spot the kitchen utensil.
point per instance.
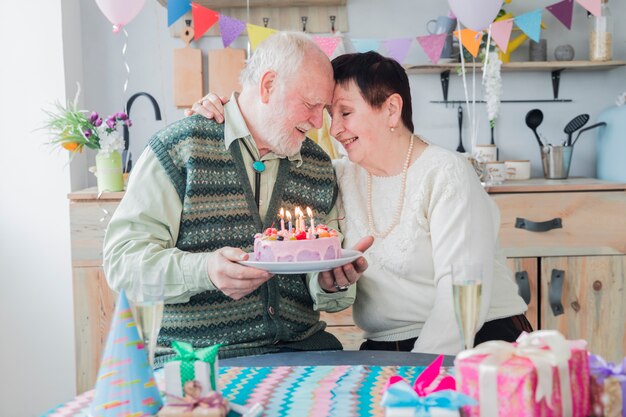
(460, 148)
(556, 161)
(224, 66)
(574, 124)
(187, 72)
(533, 120)
(587, 128)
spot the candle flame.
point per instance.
(309, 212)
(288, 215)
(282, 213)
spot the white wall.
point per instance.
(37, 336)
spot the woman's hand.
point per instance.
(209, 106)
(342, 277)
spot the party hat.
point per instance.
(125, 384)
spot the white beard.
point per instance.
(279, 134)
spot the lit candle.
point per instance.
(301, 221)
(288, 219)
(296, 213)
(282, 219)
(310, 213)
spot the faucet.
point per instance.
(157, 115)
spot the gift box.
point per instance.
(432, 394)
(192, 365)
(541, 375)
(608, 387)
(194, 405)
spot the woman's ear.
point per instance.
(394, 109)
(267, 86)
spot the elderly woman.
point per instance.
(426, 208)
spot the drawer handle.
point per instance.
(556, 291)
(531, 226)
(523, 286)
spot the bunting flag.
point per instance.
(530, 24)
(470, 39)
(563, 11)
(501, 33)
(398, 48)
(176, 9)
(432, 45)
(328, 44)
(258, 34)
(230, 28)
(592, 6)
(203, 19)
(365, 45)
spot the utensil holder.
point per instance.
(556, 161)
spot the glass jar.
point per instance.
(601, 34)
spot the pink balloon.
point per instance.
(475, 14)
(120, 12)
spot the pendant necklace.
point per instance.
(396, 217)
(258, 167)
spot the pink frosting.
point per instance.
(266, 250)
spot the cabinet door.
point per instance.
(530, 266)
(94, 303)
(592, 301)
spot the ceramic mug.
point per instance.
(485, 153)
(495, 172)
(517, 170)
(443, 24)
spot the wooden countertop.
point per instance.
(533, 185)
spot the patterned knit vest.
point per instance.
(218, 211)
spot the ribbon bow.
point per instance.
(601, 370)
(544, 348)
(187, 356)
(213, 400)
(423, 396)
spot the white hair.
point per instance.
(282, 53)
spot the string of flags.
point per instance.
(398, 48)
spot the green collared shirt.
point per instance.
(147, 221)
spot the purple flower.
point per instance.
(121, 116)
(128, 123)
(93, 117)
(87, 133)
(98, 122)
(111, 123)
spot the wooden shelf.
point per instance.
(520, 66)
(227, 4)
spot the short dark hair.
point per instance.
(377, 77)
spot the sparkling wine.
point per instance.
(466, 306)
(148, 316)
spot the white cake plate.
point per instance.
(347, 256)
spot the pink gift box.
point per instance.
(517, 385)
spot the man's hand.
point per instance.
(342, 277)
(234, 280)
(209, 106)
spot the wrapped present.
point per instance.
(200, 365)
(608, 387)
(194, 403)
(541, 375)
(430, 395)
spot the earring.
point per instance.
(393, 129)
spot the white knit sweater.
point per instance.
(447, 216)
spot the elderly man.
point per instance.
(194, 203)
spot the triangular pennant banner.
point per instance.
(125, 383)
(398, 48)
(176, 9)
(203, 19)
(433, 45)
(501, 33)
(258, 34)
(328, 44)
(593, 6)
(365, 45)
(530, 24)
(230, 28)
(563, 11)
(470, 39)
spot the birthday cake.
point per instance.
(319, 244)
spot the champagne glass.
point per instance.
(466, 290)
(147, 305)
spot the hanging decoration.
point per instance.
(592, 6)
(176, 9)
(258, 34)
(501, 33)
(230, 28)
(328, 44)
(203, 20)
(433, 45)
(530, 24)
(563, 11)
(120, 12)
(470, 39)
(398, 48)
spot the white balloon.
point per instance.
(475, 14)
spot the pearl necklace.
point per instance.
(396, 217)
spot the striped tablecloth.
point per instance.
(302, 391)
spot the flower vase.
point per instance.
(109, 171)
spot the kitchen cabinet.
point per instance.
(576, 268)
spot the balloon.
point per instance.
(120, 12)
(475, 14)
